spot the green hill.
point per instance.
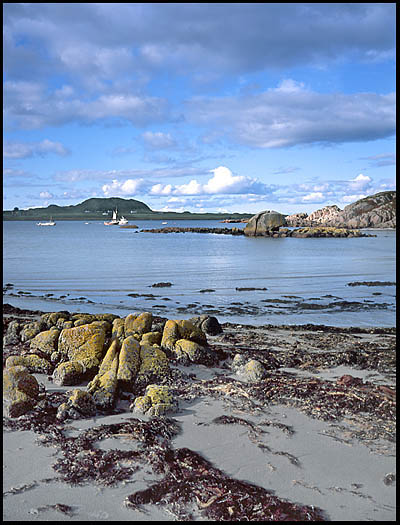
(101, 209)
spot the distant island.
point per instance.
(374, 211)
(101, 209)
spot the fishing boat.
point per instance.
(48, 223)
(123, 220)
(114, 220)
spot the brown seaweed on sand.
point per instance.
(193, 485)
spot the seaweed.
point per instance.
(191, 482)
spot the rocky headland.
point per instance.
(375, 211)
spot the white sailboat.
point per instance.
(123, 220)
(48, 223)
(114, 219)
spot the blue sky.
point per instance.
(199, 107)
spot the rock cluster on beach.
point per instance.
(119, 368)
(117, 355)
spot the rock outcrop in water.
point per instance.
(263, 223)
(375, 211)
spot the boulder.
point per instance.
(263, 223)
(30, 330)
(129, 363)
(252, 371)
(69, 373)
(83, 344)
(12, 334)
(208, 324)
(34, 363)
(138, 324)
(118, 331)
(80, 404)
(157, 401)
(46, 341)
(20, 391)
(154, 366)
(103, 386)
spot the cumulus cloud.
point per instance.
(360, 183)
(122, 188)
(45, 195)
(222, 182)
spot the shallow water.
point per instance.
(80, 266)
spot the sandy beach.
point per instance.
(313, 440)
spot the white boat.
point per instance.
(123, 220)
(114, 219)
(49, 223)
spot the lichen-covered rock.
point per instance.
(188, 330)
(138, 324)
(80, 404)
(141, 404)
(34, 363)
(118, 330)
(51, 319)
(80, 319)
(128, 323)
(103, 388)
(158, 400)
(46, 341)
(20, 391)
(12, 334)
(181, 329)
(84, 344)
(170, 335)
(129, 363)
(69, 373)
(151, 338)
(238, 362)
(194, 352)
(108, 360)
(107, 317)
(252, 372)
(31, 330)
(154, 366)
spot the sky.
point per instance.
(201, 107)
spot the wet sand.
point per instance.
(299, 432)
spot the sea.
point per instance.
(83, 266)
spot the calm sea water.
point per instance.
(89, 267)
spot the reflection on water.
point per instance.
(85, 267)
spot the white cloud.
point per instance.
(314, 197)
(353, 198)
(290, 115)
(158, 140)
(222, 182)
(122, 188)
(45, 195)
(23, 150)
(360, 182)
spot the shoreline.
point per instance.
(323, 445)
